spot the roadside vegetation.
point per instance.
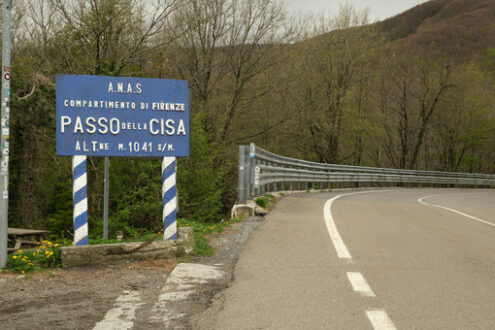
(265, 201)
(413, 92)
(46, 255)
(201, 230)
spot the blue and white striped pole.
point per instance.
(80, 196)
(169, 195)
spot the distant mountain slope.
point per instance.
(461, 28)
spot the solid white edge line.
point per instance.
(359, 284)
(380, 320)
(338, 243)
(421, 200)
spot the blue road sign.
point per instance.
(117, 116)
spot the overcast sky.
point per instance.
(379, 9)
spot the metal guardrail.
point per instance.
(261, 171)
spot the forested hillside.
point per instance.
(415, 91)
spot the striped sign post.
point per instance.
(80, 196)
(169, 195)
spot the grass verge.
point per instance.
(47, 255)
(201, 230)
(265, 200)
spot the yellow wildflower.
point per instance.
(34, 253)
(22, 272)
(20, 251)
(56, 245)
(14, 257)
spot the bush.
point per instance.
(47, 255)
(199, 179)
(262, 201)
(265, 200)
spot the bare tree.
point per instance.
(223, 46)
(329, 65)
(106, 36)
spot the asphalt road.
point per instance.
(405, 259)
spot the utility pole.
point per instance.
(4, 166)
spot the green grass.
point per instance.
(200, 230)
(265, 200)
(47, 255)
(202, 247)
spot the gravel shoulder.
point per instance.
(79, 298)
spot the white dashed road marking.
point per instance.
(380, 320)
(180, 285)
(123, 313)
(359, 284)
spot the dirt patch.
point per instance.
(76, 298)
(79, 298)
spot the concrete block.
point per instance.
(241, 211)
(105, 254)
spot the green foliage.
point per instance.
(261, 201)
(20, 263)
(202, 247)
(265, 200)
(60, 223)
(198, 179)
(50, 258)
(200, 229)
(324, 99)
(47, 255)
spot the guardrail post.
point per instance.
(252, 165)
(241, 176)
(249, 176)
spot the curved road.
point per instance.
(388, 259)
